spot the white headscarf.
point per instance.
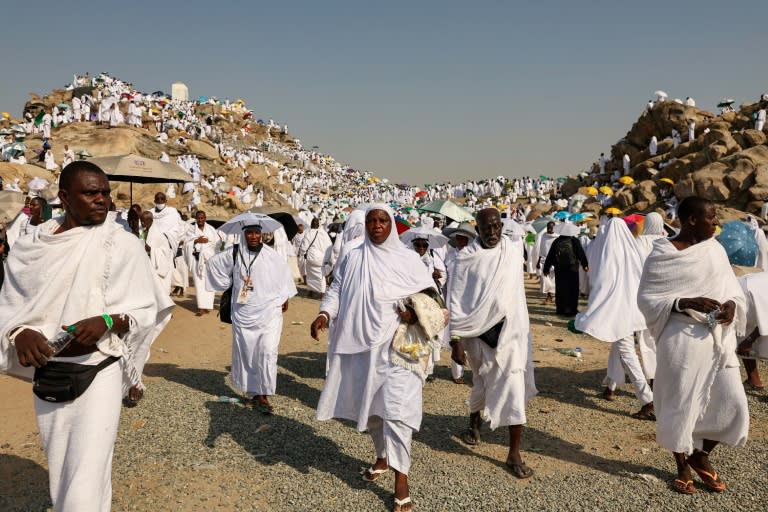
(653, 229)
(373, 278)
(354, 227)
(654, 224)
(615, 266)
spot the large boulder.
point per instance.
(623, 199)
(645, 191)
(753, 138)
(741, 175)
(709, 182)
(660, 121)
(570, 187)
(203, 149)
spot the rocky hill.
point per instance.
(726, 162)
(99, 140)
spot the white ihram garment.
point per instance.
(543, 243)
(487, 288)
(256, 325)
(315, 250)
(198, 264)
(612, 314)
(362, 384)
(653, 229)
(755, 288)
(161, 256)
(697, 392)
(59, 279)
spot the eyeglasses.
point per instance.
(421, 245)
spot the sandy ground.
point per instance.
(571, 425)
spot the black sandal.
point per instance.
(468, 436)
(519, 470)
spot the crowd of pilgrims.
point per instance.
(397, 286)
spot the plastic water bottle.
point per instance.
(60, 341)
(577, 352)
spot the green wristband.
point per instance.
(108, 320)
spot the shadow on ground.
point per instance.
(23, 484)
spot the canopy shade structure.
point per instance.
(139, 169)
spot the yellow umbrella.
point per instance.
(606, 190)
(667, 180)
(612, 211)
(6, 115)
(592, 191)
(626, 180)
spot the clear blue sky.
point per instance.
(414, 91)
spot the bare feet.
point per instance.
(609, 395)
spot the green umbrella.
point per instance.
(541, 223)
(448, 209)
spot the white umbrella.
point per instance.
(37, 184)
(235, 225)
(435, 239)
(512, 228)
(567, 229)
(661, 95)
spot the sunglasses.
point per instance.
(421, 244)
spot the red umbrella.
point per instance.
(421, 194)
(635, 223)
(402, 225)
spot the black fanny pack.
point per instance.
(491, 336)
(63, 382)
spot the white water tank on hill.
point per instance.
(179, 91)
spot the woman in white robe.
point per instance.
(363, 384)
(653, 229)
(612, 314)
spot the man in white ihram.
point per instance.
(315, 252)
(201, 245)
(160, 250)
(543, 242)
(490, 330)
(261, 283)
(84, 273)
(695, 309)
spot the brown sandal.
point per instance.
(683, 486)
(519, 470)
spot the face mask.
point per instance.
(159, 206)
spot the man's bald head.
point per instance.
(147, 219)
(489, 227)
(75, 169)
(160, 198)
(691, 207)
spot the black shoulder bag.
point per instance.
(225, 306)
(491, 336)
(63, 382)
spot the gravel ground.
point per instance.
(182, 449)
